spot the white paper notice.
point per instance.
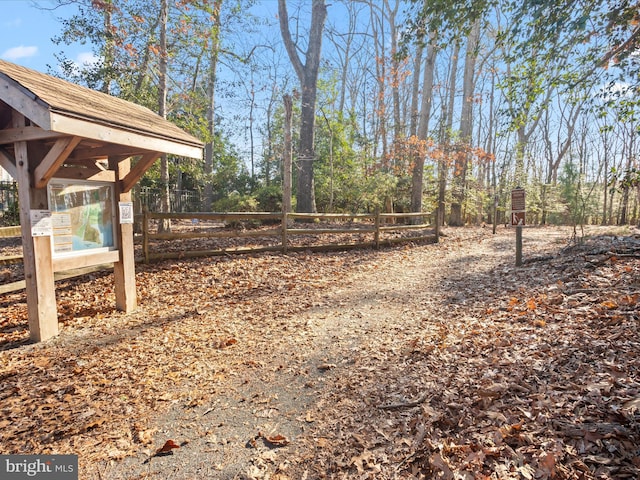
(126, 212)
(41, 225)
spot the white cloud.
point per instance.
(616, 90)
(16, 53)
(86, 59)
(83, 62)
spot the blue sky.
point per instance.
(26, 32)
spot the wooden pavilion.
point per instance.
(53, 132)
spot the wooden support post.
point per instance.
(124, 271)
(38, 264)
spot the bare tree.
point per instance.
(446, 124)
(345, 46)
(308, 76)
(391, 13)
(214, 47)
(286, 154)
(466, 126)
(423, 126)
(165, 204)
(556, 149)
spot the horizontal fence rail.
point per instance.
(277, 233)
(295, 232)
(8, 232)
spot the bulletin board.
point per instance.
(83, 216)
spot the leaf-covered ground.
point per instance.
(432, 361)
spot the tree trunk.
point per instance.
(308, 76)
(490, 149)
(445, 135)
(380, 108)
(165, 204)
(554, 158)
(423, 128)
(143, 66)
(286, 155)
(395, 69)
(624, 206)
(414, 113)
(343, 45)
(109, 48)
(252, 99)
(211, 98)
(605, 144)
(466, 125)
(270, 140)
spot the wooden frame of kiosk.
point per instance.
(70, 149)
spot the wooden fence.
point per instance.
(8, 232)
(379, 228)
(292, 233)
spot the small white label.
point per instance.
(41, 225)
(126, 212)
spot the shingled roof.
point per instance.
(79, 128)
(56, 100)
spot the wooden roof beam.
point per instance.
(98, 164)
(8, 163)
(137, 171)
(105, 151)
(140, 141)
(79, 173)
(24, 101)
(26, 134)
(54, 160)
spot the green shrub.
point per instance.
(237, 203)
(11, 216)
(269, 198)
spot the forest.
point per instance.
(380, 104)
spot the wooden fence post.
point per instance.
(439, 214)
(377, 234)
(145, 233)
(518, 245)
(285, 222)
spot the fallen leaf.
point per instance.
(276, 441)
(326, 366)
(225, 342)
(539, 322)
(167, 447)
(440, 466)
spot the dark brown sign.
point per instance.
(518, 200)
(517, 218)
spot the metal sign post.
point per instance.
(518, 219)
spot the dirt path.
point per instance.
(432, 361)
(281, 387)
